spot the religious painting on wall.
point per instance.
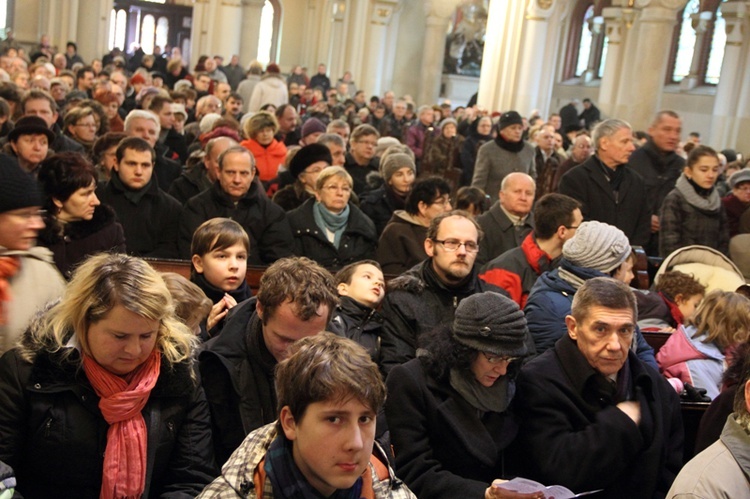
(465, 40)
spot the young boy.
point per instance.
(361, 288)
(220, 247)
(676, 297)
(322, 445)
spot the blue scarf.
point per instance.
(328, 220)
(288, 481)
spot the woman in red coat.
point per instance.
(269, 153)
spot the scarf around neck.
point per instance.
(131, 195)
(329, 221)
(509, 146)
(287, 480)
(495, 398)
(709, 201)
(121, 400)
(242, 293)
(9, 266)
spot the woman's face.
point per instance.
(80, 205)
(485, 126)
(704, 171)
(109, 158)
(30, 149)
(488, 368)
(449, 130)
(402, 180)
(111, 109)
(264, 136)
(122, 340)
(84, 129)
(310, 175)
(334, 194)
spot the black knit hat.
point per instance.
(308, 155)
(490, 322)
(509, 118)
(18, 189)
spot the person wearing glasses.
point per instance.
(361, 159)
(329, 229)
(426, 296)
(28, 276)
(449, 410)
(80, 125)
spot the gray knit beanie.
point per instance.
(597, 246)
(490, 322)
(393, 163)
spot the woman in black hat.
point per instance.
(77, 225)
(448, 409)
(29, 142)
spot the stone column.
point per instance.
(374, 69)
(532, 71)
(93, 29)
(700, 24)
(500, 57)
(251, 10)
(204, 21)
(340, 8)
(57, 18)
(437, 17)
(731, 115)
(597, 34)
(227, 29)
(616, 33)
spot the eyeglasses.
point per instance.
(453, 245)
(337, 188)
(442, 200)
(498, 359)
(571, 227)
(87, 125)
(367, 143)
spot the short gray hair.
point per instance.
(604, 292)
(331, 138)
(142, 114)
(608, 128)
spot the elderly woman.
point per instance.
(441, 156)
(105, 154)
(305, 166)
(80, 125)
(101, 394)
(76, 224)
(29, 142)
(330, 230)
(269, 153)
(448, 409)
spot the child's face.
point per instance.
(331, 443)
(367, 286)
(687, 305)
(625, 272)
(225, 268)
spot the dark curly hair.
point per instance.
(63, 174)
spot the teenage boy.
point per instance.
(219, 256)
(323, 443)
(361, 288)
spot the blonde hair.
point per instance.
(191, 305)
(332, 171)
(98, 285)
(724, 317)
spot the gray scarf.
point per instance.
(711, 203)
(495, 398)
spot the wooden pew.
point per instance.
(692, 412)
(656, 339)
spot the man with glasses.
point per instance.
(28, 276)
(427, 295)
(361, 159)
(509, 220)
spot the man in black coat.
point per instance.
(148, 215)
(592, 415)
(607, 188)
(659, 165)
(237, 195)
(295, 300)
(427, 295)
(201, 176)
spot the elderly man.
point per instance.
(40, 103)
(149, 216)
(421, 133)
(201, 176)
(288, 123)
(509, 220)
(295, 300)
(236, 195)
(146, 125)
(659, 165)
(28, 276)
(580, 151)
(427, 295)
(593, 416)
(546, 159)
(506, 154)
(395, 123)
(557, 218)
(607, 188)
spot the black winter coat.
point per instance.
(359, 323)
(401, 245)
(73, 242)
(629, 210)
(416, 303)
(659, 171)
(380, 204)
(443, 448)
(358, 242)
(237, 372)
(151, 224)
(574, 435)
(53, 434)
(191, 183)
(265, 222)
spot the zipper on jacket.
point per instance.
(48, 427)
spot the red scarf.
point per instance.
(9, 265)
(674, 310)
(121, 402)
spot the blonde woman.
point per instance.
(100, 399)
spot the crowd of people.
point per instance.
(473, 265)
